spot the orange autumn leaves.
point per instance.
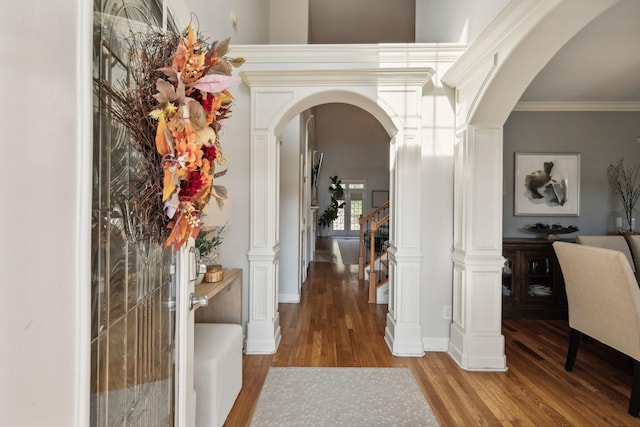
(192, 99)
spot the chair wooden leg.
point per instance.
(634, 401)
(574, 343)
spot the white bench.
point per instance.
(218, 345)
(217, 375)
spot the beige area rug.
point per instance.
(342, 397)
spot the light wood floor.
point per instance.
(335, 326)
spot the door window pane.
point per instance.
(355, 211)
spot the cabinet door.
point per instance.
(538, 284)
(509, 273)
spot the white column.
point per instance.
(403, 333)
(263, 327)
(476, 342)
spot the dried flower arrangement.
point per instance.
(625, 182)
(172, 108)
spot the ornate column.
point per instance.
(403, 333)
(476, 341)
(263, 327)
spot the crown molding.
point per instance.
(577, 106)
(385, 55)
(357, 77)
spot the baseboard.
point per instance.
(289, 298)
(435, 344)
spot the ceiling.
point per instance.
(601, 64)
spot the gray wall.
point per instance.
(601, 138)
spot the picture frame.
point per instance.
(379, 197)
(546, 184)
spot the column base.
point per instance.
(263, 337)
(477, 353)
(403, 340)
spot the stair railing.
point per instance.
(372, 239)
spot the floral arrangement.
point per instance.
(173, 108)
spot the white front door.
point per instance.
(186, 274)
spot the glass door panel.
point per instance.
(133, 314)
(348, 221)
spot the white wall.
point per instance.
(214, 18)
(289, 212)
(45, 237)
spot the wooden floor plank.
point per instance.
(334, 325)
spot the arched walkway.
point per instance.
(393, 83)
(488, 81)
(392, 96)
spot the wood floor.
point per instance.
(335, 326)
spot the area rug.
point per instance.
(342, 397)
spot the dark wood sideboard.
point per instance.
(532, 283)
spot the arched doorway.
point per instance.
(393, 97)
(488, 81)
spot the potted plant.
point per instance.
(331, 212)
(207, 243)
(625, 182)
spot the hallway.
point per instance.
(335, 326)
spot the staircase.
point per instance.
(373, 259)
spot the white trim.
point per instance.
(577, 106)
(393, 55)
(288, 298)
(435, 344)
(84, 138)
(360, 77)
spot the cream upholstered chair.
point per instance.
(604, 304)
(614, 242)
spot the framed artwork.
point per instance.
(547, 184)
(378, 197)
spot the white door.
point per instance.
(186, 274)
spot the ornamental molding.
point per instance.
(418, 77)
(392, 55)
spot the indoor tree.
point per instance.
(337, 195)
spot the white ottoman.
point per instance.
(217, 376)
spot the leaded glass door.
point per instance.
(133, 291)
